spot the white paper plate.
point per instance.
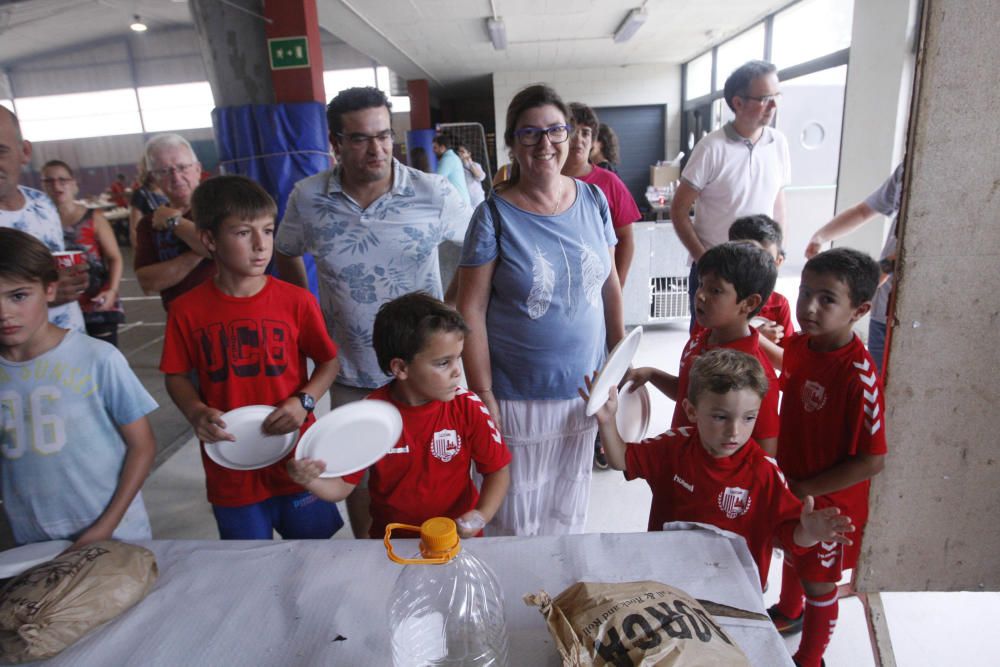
(352, 437)
(633, 413)
(614, 370)
(758, 322)
(252, 448)
(15, 561)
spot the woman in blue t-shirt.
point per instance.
(541, 296)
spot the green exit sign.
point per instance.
(289, 52)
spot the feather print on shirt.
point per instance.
(543, 279)
(593, 270)
(570, 296)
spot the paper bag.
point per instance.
(634, 624)
(45, 609)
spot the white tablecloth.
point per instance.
(287, 603)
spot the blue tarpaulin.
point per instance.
(276, 145)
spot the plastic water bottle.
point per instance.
(446, 607)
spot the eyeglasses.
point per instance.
(170, 171)
(358, 139)
(764, 99)
(583, 131)
(530, 136)
(62, 180)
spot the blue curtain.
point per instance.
(276, 145)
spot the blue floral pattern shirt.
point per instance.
(39, 218)
(365, 257)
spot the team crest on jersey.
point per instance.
(813, 396)
(734, 502)
(446, 445)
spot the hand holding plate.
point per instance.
(209, 426)
(304, 471)
(288, 416)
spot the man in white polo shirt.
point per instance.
(739, 169)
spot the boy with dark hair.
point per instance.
(832, 438)
(75, 442)
(247, 336)
(765, 233)
(736, 279)
(714, 472)
(446, 428)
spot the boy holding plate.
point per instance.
(246, 336)
(446, 428)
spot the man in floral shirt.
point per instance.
(373, 226)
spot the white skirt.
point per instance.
(552, 454)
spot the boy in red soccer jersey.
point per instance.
(832, 438)
(446, 428)
(714, 472)
(247, 336)
(765, 233)
(736, 280)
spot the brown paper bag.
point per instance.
(45, 609)
(634, 624)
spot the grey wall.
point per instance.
(933, 510)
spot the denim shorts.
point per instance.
(301, 516)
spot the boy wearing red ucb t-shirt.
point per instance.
(714, 472)
(247, 336)
(832, 439)
(446, 428)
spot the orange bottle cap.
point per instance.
(439, 541)
(439, 537)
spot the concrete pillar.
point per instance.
(234, 48)
(876, 106)
(297, 18)
(420, 104)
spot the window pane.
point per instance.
(337, 80)
(176, 107)
(105, 113)
(811, 29)
(400, 103)
(735, 52)
(699, 76)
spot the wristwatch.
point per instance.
(173, 221)
(308, 402)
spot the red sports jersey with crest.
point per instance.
(744, 493)
(767, 417)
(833, 408)
(246, 351)
(427, 473)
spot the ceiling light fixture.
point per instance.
(498, 33)
(137, 24)
(630, 25)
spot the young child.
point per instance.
(75, 444)
(247, 336)
(736, 280)
(832, 438)
(713, 471)
(765, 233)
(446, 428)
